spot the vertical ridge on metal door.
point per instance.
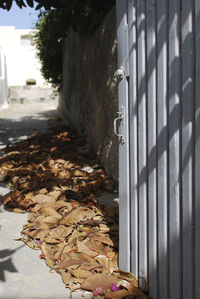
(132, 19)
(197, 149)
(174, 123)
(187, 99)
(162, 146)
(151, 148)
(124, 176)
(142, 138)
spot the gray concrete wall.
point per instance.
(89, 95)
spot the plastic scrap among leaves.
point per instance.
(57, 184)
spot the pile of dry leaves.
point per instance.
(57, 184)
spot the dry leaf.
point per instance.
(104, 239)
(117, 294)
(90, 266)
(127, 276)
(66, 276)
(99, 280)
(49, 212)
(84, 249)
(40, 198)
(81, 273)
(76, 215)
(30, 243)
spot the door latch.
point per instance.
(120, 119)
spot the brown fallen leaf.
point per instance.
(68, 262)
(44, 222)
(76, 235)
(76, 215)
(79, 273)
(77, 173)
(107, 265)
(84, 249)
(101, 238)
(60, 232)
(127, 276)
(37, 234)
(49, 212)
(66, 276)
(40, 198)
(95, 245)
(90, 266)
(29, 242)
(117, 294)
(55, 194)
(99, 280)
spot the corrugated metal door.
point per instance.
(159, 94)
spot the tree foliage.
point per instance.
(82, 15)
(48, 40)
(49, 4)
(46, 4)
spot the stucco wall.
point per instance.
(89, 95)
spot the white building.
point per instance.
(3, 82)
(21, 60)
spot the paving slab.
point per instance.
(22, 274)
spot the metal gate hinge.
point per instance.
(120, 73)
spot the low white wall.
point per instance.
(18, 94)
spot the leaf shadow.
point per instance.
(7, 264)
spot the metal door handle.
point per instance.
(120, 117)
